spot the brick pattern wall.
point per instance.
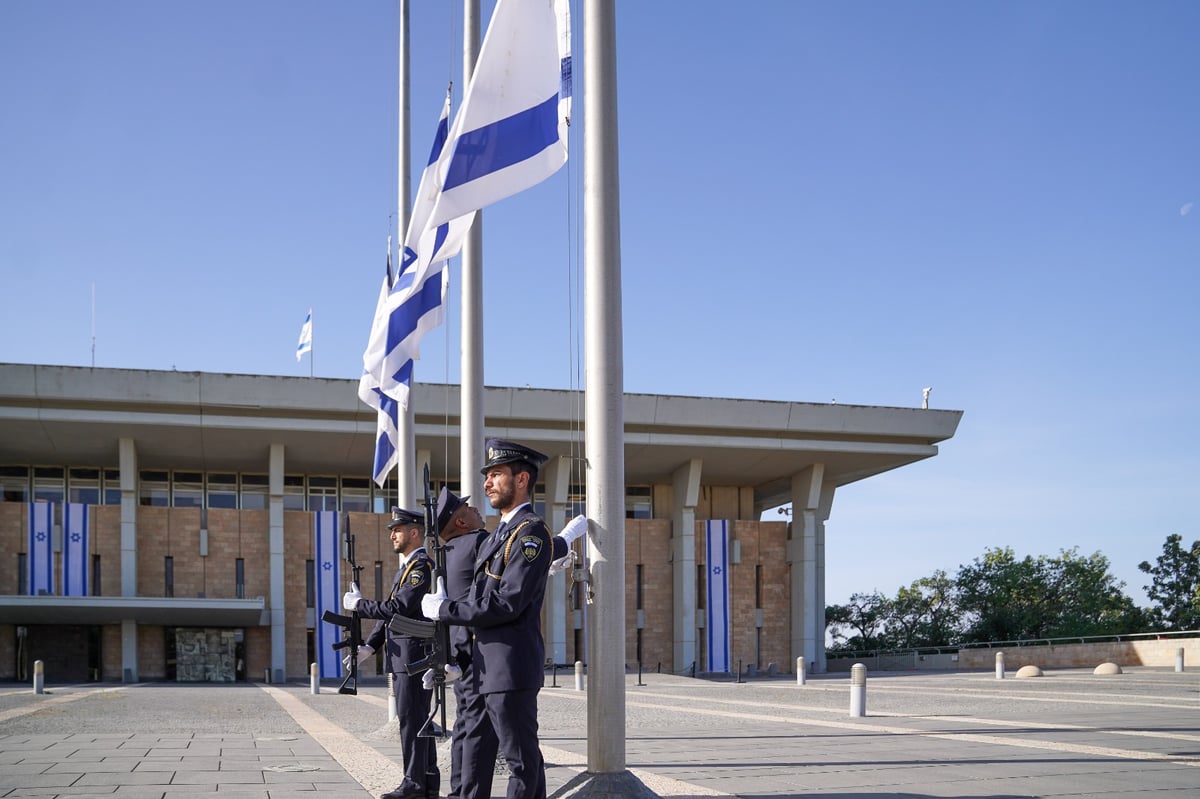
(106, 542)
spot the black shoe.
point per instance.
(404, 793)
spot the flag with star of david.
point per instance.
(40, 559)
(75, 549)
(327, 563)
(716, 561)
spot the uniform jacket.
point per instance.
(504, 611)
(409, 586)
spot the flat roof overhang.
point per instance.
(222, 422)
(165, 611)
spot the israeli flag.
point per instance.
(716, 559)
(387, 432)
(511, 132)
(415, 301)
(40, 560)
(75, 549)
(305, 343)
(327, 563)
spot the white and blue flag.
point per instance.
(40, 560)
(716, 561)
(75, 549)
(387, 429)
(305, 343)
(509, 134)
(327, 562)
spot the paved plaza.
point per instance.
(1068, 733)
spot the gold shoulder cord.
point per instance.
(508, 548)
(403, 577)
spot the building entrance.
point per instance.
(205, 654)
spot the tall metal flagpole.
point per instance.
(471, 400)
(406, 444)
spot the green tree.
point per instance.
(1006, 599)
(924, 614)
(863, 617)
(1175, 586)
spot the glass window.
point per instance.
(83, 485)
(222, 491)
(169, 576)
(112, 487)
(293, 492)
(310, 586)
(239, 577)
(22, 574)
(49, 483)
(187, 490)
(14, 484)
(154, 488)
(356, 494)
(638, 503)
(96, 589)
(255, 491)
(322, 493)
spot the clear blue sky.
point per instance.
(819, 201)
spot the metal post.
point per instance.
(267, 676)
(1179, 659)
(39, 677)
(579, 675)
(858, 690)
(801, 672)
(314, 678)
(999, 665)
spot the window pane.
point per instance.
(356, 494)
(154, 489)
(222, 491)
(112, 487)
(49, 484)
(14, 484)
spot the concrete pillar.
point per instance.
(275, 556)
(127, 464)
(557, 477)
(811, 501)
(686, 484)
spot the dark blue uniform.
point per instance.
(412, 700)
(474, 745)
(507, 667)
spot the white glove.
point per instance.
(351, 598)
(574, 529)
(432, 603)
(562, 564)
(364, 652)
(452, 673)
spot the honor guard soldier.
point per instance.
(508, 584)
(413, 580)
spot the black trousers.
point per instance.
(420, 754)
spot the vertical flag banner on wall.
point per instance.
(41, 550)
(716, 560)
(327, 564)
(75, 549)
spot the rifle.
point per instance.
(436, 634)
(352, 623)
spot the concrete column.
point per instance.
(557, 476)
(811, 501)
(275, 555)
(127, 464)
(686, 484)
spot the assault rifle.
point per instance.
(351, 623)
(436, 634)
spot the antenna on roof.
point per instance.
(93, 324)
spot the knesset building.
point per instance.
(199, 492)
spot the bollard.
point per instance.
(1179, 659)
(640, 673)
(553, 675)
(579, 675)
(999, 665)
(858, 690)
(391, 692)
(314, 678)
(267, 676)
(39, 677)
(801, 674)
(739, 671)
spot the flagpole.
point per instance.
(406, 441)
(93, 324)
(604, 394)
(471, 432)
(312, 352)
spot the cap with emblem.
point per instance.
(500, 452)
(448, 503)
(402, 517)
